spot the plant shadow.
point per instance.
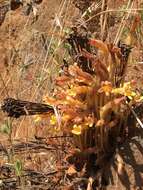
(131, 153)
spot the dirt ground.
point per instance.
(27, 73)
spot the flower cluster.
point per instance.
(95, 101)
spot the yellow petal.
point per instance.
(53, 120)
(37, 118)
(106, 87)
(77, 129)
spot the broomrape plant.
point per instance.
(90, 101)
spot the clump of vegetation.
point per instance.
(91, 99)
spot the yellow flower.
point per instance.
(37, 118)
(77, 129)
(106, 87)
(126, 90)
(53, 120)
